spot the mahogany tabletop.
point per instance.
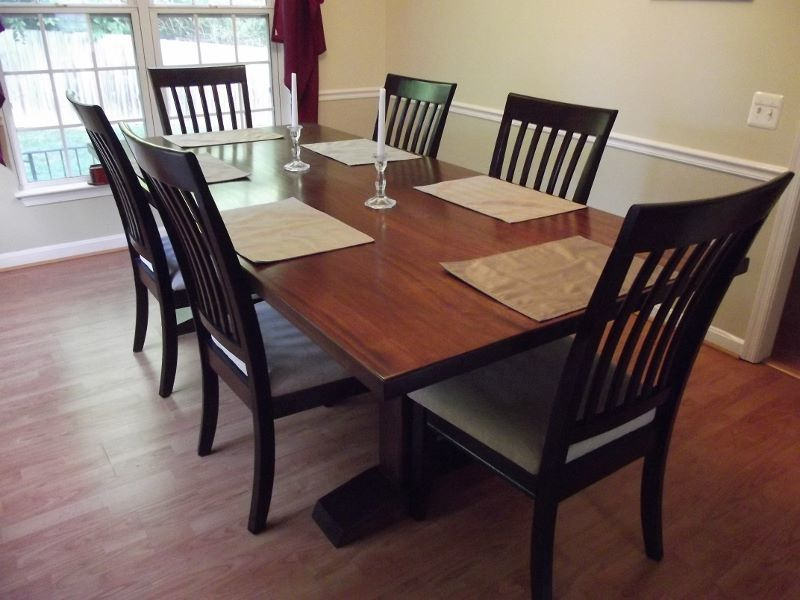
(388, 310)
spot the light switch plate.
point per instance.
(765, 110)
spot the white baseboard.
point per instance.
(724, 341)
(54, 252)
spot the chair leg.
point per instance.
(169, 348)
(542, 539)
(263, 470)
(208, 423)
(651, 501)
(420, 464)
(142, 301)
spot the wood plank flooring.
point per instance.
(103, 495)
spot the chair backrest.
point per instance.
(416, 112)
(215, 282)
(633, 355)
(202, 98)
(132, 201)
(566, 123)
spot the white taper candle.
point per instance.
(294, 100)
(382, 122)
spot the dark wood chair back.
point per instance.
(634, 355)
(132, 201)
(214, 278)
(557, 160)
(416, 112)
(202, 97)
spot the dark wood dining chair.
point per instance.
(566, 129)
(155, 267)
(416, 112)
(217, 89)
(273, 367)
(559, 417)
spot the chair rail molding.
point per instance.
(776, 276)
(724, 163)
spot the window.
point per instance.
(100, 49)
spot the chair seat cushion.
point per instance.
(295, 362)
(175, 275)
(506, 405)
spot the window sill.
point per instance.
(61, 193)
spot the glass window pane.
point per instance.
(113, 41)
(119, 90)
(42, 154)
(170, 2)
(178, 40)
(248, 3)
(136, 126)
(21, 44)
(68, 41)
(32, 100)
(64, 2)
(263, 118)
(80, 153)
(252, 39)
(258, 82)
(216, 40)
(84, 84)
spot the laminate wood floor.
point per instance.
(103, 495)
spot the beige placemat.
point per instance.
(544, 281)
(502, 200)
(218, 138)
(357, 152)
(217, 171)
(287, 229)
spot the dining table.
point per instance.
(388, 311)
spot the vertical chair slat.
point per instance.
(401, 119)
(192, 112)
(523, 129)
(601, 370)
(204, 103)
(391, 118)
(565, 143)
(218, 107)
(534, 144)
(548, 148)
(178, 110)
(423, 114)
(573, 162)
(229, 88)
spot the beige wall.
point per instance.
(679, 72)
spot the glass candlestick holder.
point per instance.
(380, 200)
(296, 165)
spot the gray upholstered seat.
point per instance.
(295, 362)
(175, 275)
(506, 405)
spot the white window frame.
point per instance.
(148, 54)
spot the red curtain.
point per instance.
(298, 26)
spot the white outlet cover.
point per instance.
(765, 110)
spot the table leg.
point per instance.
(377, 497)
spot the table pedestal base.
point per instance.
(366, 503)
